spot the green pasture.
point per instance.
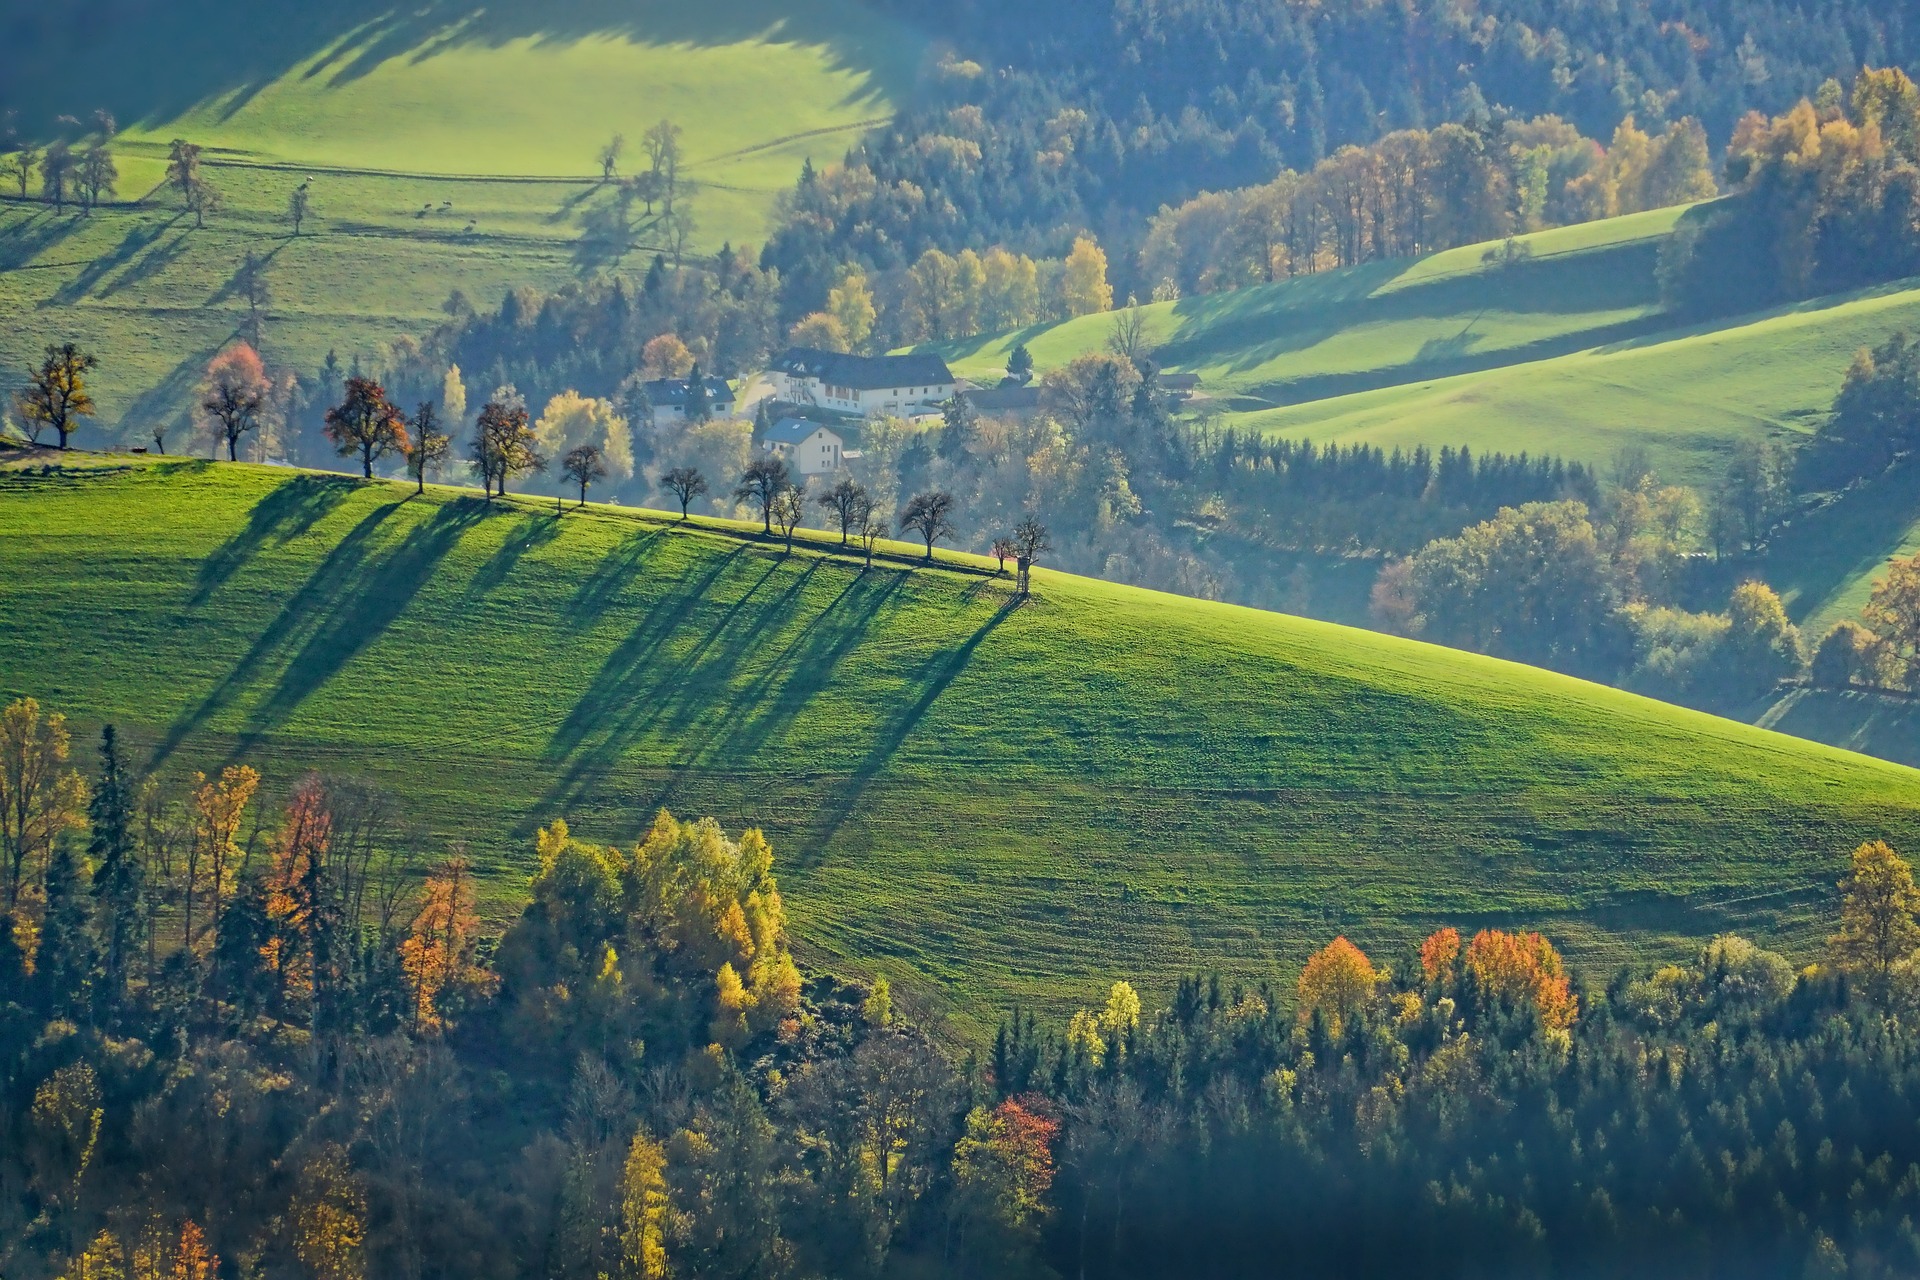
(1381, 323)
(445, 146)
(988, 801)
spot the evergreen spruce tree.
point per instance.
(64, 967)
(117, 874)
(240, 976)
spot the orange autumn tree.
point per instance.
(1439, 952)
(1523, 968)
(1337, 983)
(299, 864)
(438, 953)
(1002, 1170)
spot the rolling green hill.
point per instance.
(449, 145)
(1566, 351)
(987, 802)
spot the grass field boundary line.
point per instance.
(822, 132)
(345, 171)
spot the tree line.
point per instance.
(277, 1037)
(1418, 191)
(1825, 199)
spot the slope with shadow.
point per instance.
(989, 802)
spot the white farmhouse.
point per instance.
(809, 448)
(862, 386)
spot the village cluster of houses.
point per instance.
(822, 390)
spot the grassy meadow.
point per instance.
(987, 802)
(448, 146)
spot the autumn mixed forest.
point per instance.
(931, 641)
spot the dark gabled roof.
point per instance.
(666, 392)
(1012, 399)
(794, 430)
(863, 373)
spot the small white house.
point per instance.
(809, 448)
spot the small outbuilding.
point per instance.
(809, 448)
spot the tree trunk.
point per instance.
(583, 495)
(233, 447)
(366, 462)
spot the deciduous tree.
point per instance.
(1083, 288)
(439, 953)
(843, 501)
(1337, 983)
(1893, 612)
(1522, 968)
(764, 480)
(1878, 902)
(213, 854)
(930, 515)
(56, 393)
(233, 396)
(300, 206)
(1029, 541)
(789, 509)
(40, 796)
(685, 484)
(584, 465)
(367, 423)
(429, 446)
(665, 356)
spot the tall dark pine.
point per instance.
(64, 966)
(117, 873)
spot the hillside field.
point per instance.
(989, 803)
(448, 146)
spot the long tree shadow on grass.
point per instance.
(638, 692)
(609, 578)
(379, 595)
(289, 510)
(317, 597)
(659, 691)
(536, 530)
(795, 675)
(933, 679)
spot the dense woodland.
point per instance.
(254, 1034)
(1044, 123)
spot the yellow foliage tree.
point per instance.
(1337, 983)
(438, 953)
(214, 853)
(1083, 286)
(645, 1211)
(329, 1218)
(39, 795)
(1877, 907)
(1893, 612)
(104, 1259)
(571, 420)
(820, 330)
(666, 356)
(851, 304)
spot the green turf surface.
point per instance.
(1382, 323)
(448, 145)
(986, 802)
